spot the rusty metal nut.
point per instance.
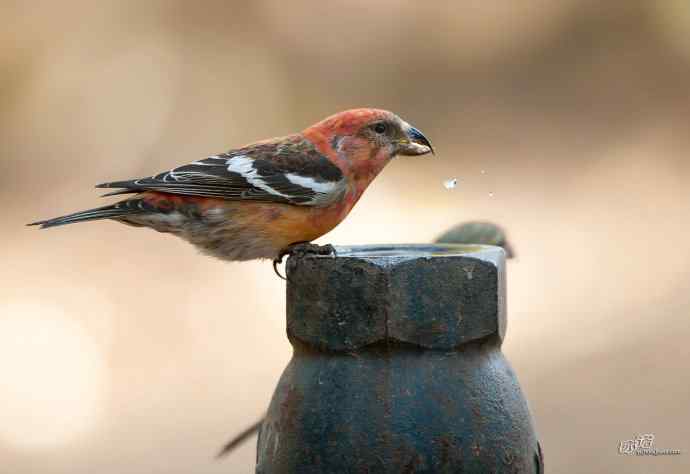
(432, 296)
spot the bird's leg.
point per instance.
(301, 249)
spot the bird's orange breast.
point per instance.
(290, 224)
(282, 224)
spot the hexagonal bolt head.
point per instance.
(431, 296)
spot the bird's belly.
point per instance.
(232, 230)
(297, 224)
(245, 231)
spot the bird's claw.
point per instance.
(276, 262)
(302, 249)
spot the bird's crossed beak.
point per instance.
(414, 143)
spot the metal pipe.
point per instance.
(397, 367)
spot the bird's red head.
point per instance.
(363, 141)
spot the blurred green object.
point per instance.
(477, 232)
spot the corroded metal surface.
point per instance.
(397, 367)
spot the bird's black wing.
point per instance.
(287, 170)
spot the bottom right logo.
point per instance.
(643, 445)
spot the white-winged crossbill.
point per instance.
(258, 200)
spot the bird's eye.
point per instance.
(380, 128)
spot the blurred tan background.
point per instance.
(566, 121)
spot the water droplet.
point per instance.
(450, 183)
(491, 195)
(483, 171)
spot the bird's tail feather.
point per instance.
(240, 438)
(119, 209)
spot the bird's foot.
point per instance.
(302, 249)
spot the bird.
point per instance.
(267, 199)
